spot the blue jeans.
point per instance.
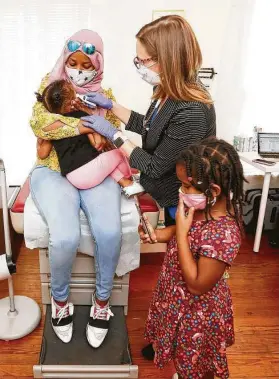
(59, 204)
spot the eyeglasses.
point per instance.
(142, 62)
(87, 48)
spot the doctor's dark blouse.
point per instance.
(164, 136)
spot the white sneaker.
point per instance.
(133, 189)
(98, 325)
(62, 320)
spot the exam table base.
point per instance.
(78, 359)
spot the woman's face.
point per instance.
(79, 61)
(145, 59)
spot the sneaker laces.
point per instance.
(102, 313)
(63, 312)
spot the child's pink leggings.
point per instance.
(112, 163)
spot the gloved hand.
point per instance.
(100, 125)
(99, 99)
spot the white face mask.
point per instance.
(80, 77)
(148, 75)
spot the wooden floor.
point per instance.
(254, 283)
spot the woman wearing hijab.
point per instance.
(59, 202)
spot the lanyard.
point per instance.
(152, 116)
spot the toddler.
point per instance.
(83, 165)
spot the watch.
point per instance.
(119, 140)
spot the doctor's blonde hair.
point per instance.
(171, 42)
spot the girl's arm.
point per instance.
(165, 234)
(157, 235)
(202, 275)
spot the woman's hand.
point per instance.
(99, 99)
(183, 221)
(145, 238)
(100, 125)
(43, 148)
(78, 105)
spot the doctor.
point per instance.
(181, 111)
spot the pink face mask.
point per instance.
(197, 201)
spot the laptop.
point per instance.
(268, 146)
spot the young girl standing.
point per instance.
(190, 318)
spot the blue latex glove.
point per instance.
(99, 99)
(100, 125)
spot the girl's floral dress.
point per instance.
(192, 330)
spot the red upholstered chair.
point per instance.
(18, 207)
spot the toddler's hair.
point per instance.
(54, 96)
(215, 161)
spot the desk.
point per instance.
(267, 170)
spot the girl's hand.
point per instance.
(145, 237)
(108, 145)
(183, 221)
(100, 141)
(97, 141)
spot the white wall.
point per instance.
(246, 92)
(32, 34)
(230, 91)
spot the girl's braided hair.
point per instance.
(215, 161)
(54, 96)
